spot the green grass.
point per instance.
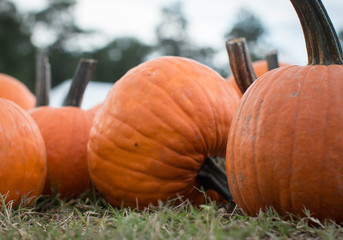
(92, 218)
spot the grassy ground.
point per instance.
(92, 218)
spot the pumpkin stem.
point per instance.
(212, 177)
(43, 79)
(322, 43)
(240, 63)
(272, 60)
(79, 83)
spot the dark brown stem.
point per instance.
(79, 83)
(322, 43)
(212, 177)
(43, 79)
(240, 63)
(272, 60)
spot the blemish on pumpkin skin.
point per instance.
(295, 94)
(136, 144)
(248, 120)
(152, 72)
(242, 179)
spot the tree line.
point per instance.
(17, 50)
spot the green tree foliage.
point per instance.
(16, 50)
(58, 19)
(251, 27)
(17, 53)
(173, 39)
(115, 59)
(171, 32)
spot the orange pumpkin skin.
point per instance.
(94, 109)
(14, 90)
(231, 82)
(154, 130)
(65, 131)
(285, 145)
(23, 155)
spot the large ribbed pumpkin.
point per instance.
(155, 129)
(22, 156)
(14, 90)
(285, 147)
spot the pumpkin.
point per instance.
(65, 131)
(153, 135)
(14, 90)
(285, 147)
(232, 83)
(23, 155)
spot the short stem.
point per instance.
(240, 63)
(322, 43)
(272, 60)
(43, 79)
(79, 83)
(212, 177)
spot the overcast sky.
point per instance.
(208, 21)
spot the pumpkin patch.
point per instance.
(174, 147)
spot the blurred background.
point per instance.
(122, 34)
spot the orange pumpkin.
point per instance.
(155, 129)
(231, 82)
(23, 155)
(285, 147)
(65, 131)
(14, 90)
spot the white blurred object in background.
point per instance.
(95, 93)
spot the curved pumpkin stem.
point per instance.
(272, 60)
(79, 83)
(322, 43)
(212, 177)
(43, 79)
(240, 63)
